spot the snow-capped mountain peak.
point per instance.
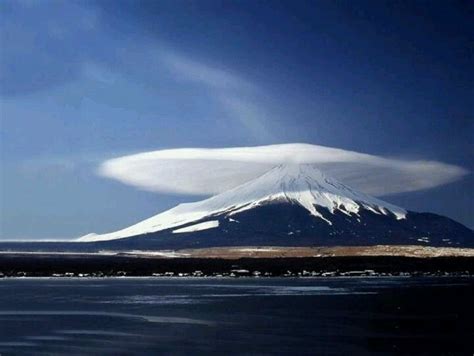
(307, 186)
(301, 184)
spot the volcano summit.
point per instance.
(290, 205)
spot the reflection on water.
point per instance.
(232, 316)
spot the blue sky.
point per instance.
(82, 82)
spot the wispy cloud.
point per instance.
(251, 116)
(229, 90)
(107, 56)
(187, 69)
(204, 171)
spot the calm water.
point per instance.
(236, 316)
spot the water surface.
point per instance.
(121, 316)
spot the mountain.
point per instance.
(291, 205)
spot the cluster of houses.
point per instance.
(238, 272)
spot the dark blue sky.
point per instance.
(85, 81)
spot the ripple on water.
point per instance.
(148, 318)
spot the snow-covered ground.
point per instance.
(198, 227)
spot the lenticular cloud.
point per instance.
(207, 171)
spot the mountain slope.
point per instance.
(303, 185)
(291, 205)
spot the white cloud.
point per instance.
(204, 171)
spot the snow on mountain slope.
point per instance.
(298, 184)
(198, 227)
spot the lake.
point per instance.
(143, 316)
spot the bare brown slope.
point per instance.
(283, 252)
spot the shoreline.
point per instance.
(243, 277)
(50, 265)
